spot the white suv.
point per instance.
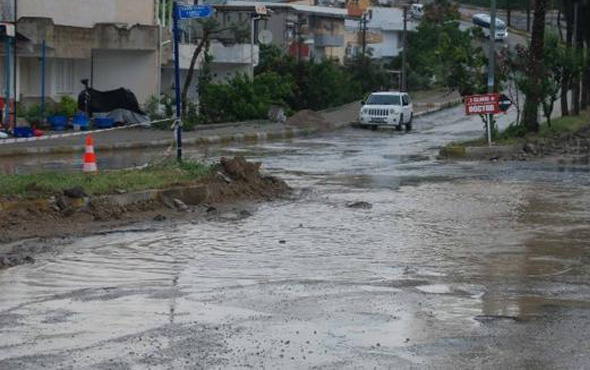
(387, 109)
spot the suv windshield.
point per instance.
(383, 100)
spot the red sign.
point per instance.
(482, 104)
(299, 49)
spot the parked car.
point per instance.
(392, 109)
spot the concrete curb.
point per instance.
(250, 137)
(437, 107)
(190, 195)
(479, 152)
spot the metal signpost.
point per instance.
(487, 104)
(181, 12)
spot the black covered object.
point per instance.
(107, 101)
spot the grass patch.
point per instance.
(515, 134)
(565, 124)
(108, 182)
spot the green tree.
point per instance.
(535, 69)
(441, 11)
(554, 58)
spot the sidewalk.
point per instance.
(137, 138)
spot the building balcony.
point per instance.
(231, 54)
(78, 42)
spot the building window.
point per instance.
(64, 76)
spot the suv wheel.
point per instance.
(409, 124)
(400, 125)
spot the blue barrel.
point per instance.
(80, 120)
(23, 132)
(58, 123)
(104, 122)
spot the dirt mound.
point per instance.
(572, 146)
(308, 118)
(240, 179)
(234, 180)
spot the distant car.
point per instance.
(417, 11)
(393, 109)
(483, 21)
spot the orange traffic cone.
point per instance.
(89, 157)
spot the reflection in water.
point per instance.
(554, 221)
(402, 280)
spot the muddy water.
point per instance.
(456, 265)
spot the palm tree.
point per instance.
(535, 68)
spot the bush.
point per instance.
(67, 106)
(513, 131)
(191, 119)
(152, 108)
(297, 85)
(32, 114)
(243, 99)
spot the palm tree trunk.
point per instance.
(190, 73)
(568, 13)
(535, 68)
(576, 82)
(586, 77)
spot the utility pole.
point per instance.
(176, 36)
(254, 19)
(508, 12)
(492, 64)
(43, 64)
(8, 82)
(528, 15)
(364, 33)
(15, 54)
(404, 86)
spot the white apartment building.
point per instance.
(385, 27)
(113, 43)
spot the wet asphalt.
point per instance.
(453, 265)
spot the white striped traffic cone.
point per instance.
(89, 157)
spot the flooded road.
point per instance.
(455, 265)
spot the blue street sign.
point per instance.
(195, 11)
(183, 12)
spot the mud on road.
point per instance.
(234, 181)
(388, 259)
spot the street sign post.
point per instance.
(482, 104)
(195, 11)
(182, 12)
(487, 104)
(505, 103)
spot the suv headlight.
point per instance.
(364, 110)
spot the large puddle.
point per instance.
(455, 265)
